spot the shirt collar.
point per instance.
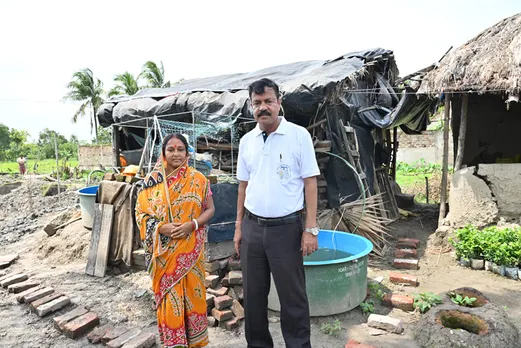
(281, 129)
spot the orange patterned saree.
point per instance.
(176, 265)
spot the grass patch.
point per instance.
(411, 178)
(46, 166)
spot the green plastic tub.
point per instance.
(336, 274)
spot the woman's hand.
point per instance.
(182, 231)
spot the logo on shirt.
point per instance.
(284, 172)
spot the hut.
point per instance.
(480, 84)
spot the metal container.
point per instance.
(334, 285)
(87, 202)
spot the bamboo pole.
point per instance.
(395, 151)
(57, 166)
(462, 132)
(445, 165)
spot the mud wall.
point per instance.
(493, 128)
(427, 146)
(481, 194)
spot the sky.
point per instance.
(43, 42)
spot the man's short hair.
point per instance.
(258, 87)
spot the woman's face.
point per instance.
(175, 153)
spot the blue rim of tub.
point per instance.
(368, 246)
(88, 191)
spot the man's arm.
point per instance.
(241, 197)
(311, 199)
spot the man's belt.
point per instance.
(268, 222)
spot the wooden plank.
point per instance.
(104, 240)
(94, 240)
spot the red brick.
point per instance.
(113, 333)
(211, 266)
(9, 258)
(53, 306)
(399, 278)
(403, 302)
(222, 315)
(232, 324)
(226, 281)
(145, 339)
(8, 275)
(406, 253)
(234, 265)
(211, 281)
(15, 278)
(235, 277)
(45, 299)
(223, 302)
(210, 300)
(121, 340)
(4, 264)
(21, 296)
(212, 322)
(239, 290)
(81, 325)
(408, 242)
(356, 344)
(405, 263)
(40, 293)
(59, 322)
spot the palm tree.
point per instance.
(88, 90)
(126, 83)
(154, 75)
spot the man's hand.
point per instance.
(309, 243)
(237, 238)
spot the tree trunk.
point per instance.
(445, 165)
(462, 132)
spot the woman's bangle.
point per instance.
(194, 222)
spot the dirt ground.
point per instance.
(126, 300)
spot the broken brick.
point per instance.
(81, 325)
(237, 309)
(234, 265)
(239, 290)
(219, 291)
(235, 277)
(403, 302)
(211, 281)
(405, 264)
(232, 324)
(385, 323)
(406, 253)
(222, 315)
(113, 333)
(212, 266)
(222, 302)
(399, 278)
(356, 344)
(211, 321)
(209, 300)
(60, 321)
(95, 335)
(226, 281)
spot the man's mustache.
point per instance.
(264, 113)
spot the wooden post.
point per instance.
(115, 146)
(57, 165)
(445, 165)
(462, 132)
(395, 151)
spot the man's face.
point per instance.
(266, 107)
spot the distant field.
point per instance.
(44, 166)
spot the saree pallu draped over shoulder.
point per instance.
(176, 265)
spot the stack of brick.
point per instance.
(224, 293)
(406, 254)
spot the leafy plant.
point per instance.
(460, 300)
(367, 306)
(331, 328)
(426, 300)
(376, 291)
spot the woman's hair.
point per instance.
(177, 136)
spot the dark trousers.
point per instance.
(274, 249)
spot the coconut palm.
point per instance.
(126, 83)
(154, 75)
(88, 90)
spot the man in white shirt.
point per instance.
(277, 172)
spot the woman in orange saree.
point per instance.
(171, 213)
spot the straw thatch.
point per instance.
(491, 62)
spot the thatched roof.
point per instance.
(491, 62)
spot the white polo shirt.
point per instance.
(276, 169)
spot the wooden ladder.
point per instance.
(353, 154)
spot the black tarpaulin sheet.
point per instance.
(222, 225)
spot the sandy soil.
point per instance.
(126, 300)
